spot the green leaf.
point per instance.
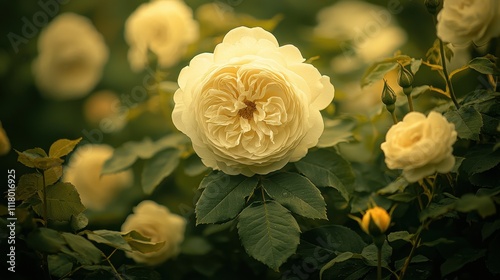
(79, 222)
(459, 259)
(87, 252)
(111, 238)
(140, 243)
(377, 71)
(415, 65)
(138, 273)
(436, 210)
(269, 233)
(400, 235)
(438, 241)
(296, 193)
(63, 202)
(370, 252)
(484, 66)
(29, 155)
(62, 147)
(338, 259)
(45, 240)
(484, 205)
(336, 131)
(326, 168)
(399, 184)
(467, 120)
(331, 239)
(53, 174)
(479, 159)
(490, 228)
(223, 197)
(159, 167)
(417, 91)
(127, 154)
(59, 265)
(29, 185)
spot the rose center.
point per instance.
(247, 112)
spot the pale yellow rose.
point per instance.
(365, 32)
(72, 54)
(165, 27)
(4, 141)
(463, 21)
(84, 172)
(251, 106)
(158, 223)
(420, 145)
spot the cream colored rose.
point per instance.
(420, 145)
(463, 21)
(72, 54)
(84, 172)
(165, 27)
(251, 106)
(365, 32)
(158, 223)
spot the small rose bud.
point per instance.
(388, 95)
(375, 221)
(432, 6)
(405, 79)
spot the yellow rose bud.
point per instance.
(375, 221)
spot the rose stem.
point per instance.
(446, 76)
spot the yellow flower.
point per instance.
(379, 218)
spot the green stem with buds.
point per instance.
(446, 76)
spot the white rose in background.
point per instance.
(420, 145)
(84, 172)
(366, 33)
(463, 21)
(165, 27)
(251, 106)
(158, 223)
(72, 54)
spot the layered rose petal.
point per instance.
(164, 27)
(160, 225)
(251, 106)
(420, 145)
(463, 21)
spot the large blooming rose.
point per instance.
(251, 106)
(158, 223)
(463, 21)
(166, 27)
(420, 146)
(84, 172)
(72, 54)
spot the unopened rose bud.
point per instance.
(405, 79)
(375, 221)
(388, 95)
(432, 6)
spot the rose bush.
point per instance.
(463, 21)
(165, 27)
(72, 54)
(420, 145)
(158, 223)
(251, 106)
(84, 172)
